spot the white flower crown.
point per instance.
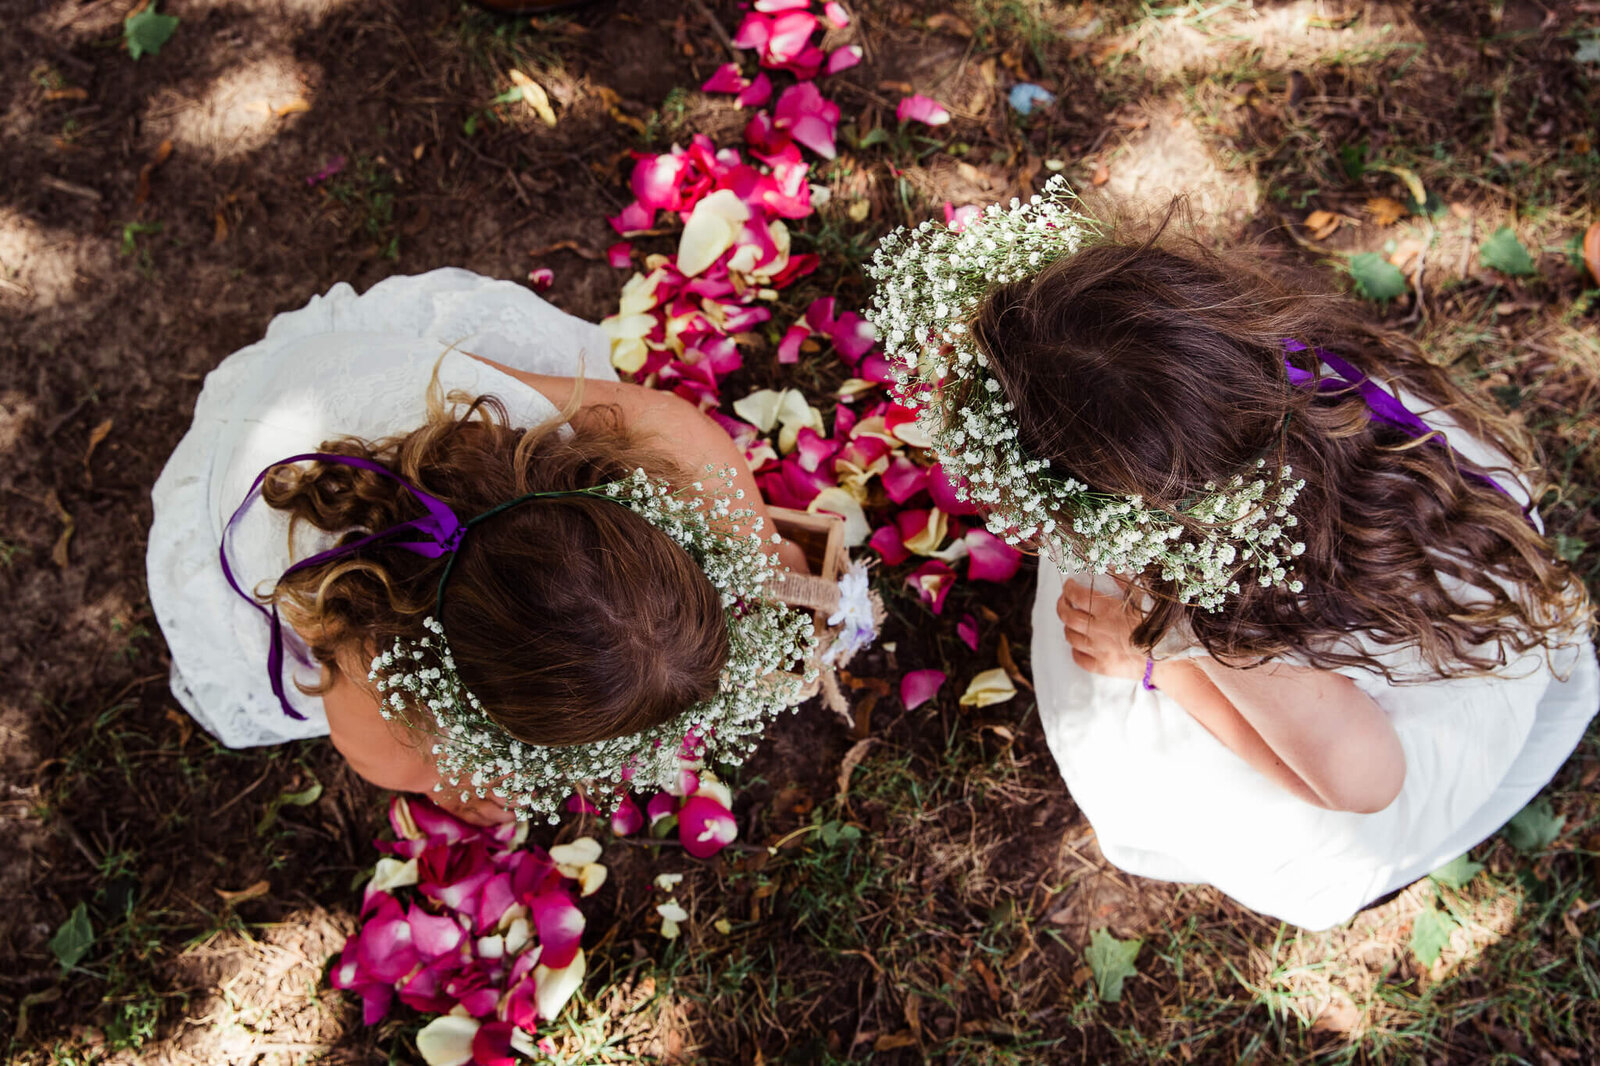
(765, 641)
(932, 282)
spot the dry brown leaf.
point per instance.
(219, 230)
(244, 895)
(1385, 210)
(416, 153)
(637, 125)
(848, 764)
(986, 71)
(73, 93)
(59, 554)
(1591, 251)
(950, 23)
(162, 153)
(184, 723)
(913, 1013)
(893, 1041)
(1101, 175)
(896, 87)
(535, 97)
(1322, 224)
(1002, 653)
(96, 436)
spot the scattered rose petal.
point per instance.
(727, 79)
(757, 93)
(661, 805)
(620, 255)
(988, 688)
(667, 882)
(932, 580)
(992, 559)
(579, 804)
(810, 119)
(627, 819)
(959, 218)
(560, 925)
(590, 878)
(713, 226)
(447, 1040)
(789, 347)
(491, 1044)
(556, 985)
(835, 13)
(919, 108)
(967, 630)
(705, 826)
(839, 502)
(580, 852)
(843, 58)
(920, 686)
(887, 543)
(672, 912)
(791, 33)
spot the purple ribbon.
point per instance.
(440, 532)
(1383, 405)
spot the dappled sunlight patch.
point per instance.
(42, 267)
(1171, 157)
(265, 1001)
(239, 110)
(1250, 36)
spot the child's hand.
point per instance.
(479, 810)
(1099, 626)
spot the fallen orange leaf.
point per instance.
(1322, 224)
(1591, 251)
(1385, 211)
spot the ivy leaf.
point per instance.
(148, 31)
(1535, 827)
(1588, 50)
(1457, 872)
(1430, 934)
(73, 940)
(1503, 252)
(1111, 962)
(1376, 278)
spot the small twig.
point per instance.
(716, 28)
(248, 789)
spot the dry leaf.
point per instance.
(848, 764)
(896, 87)
(892, 1041)
(986, 71)
(859, 210)
(1102, 174)
(1003, 655)
(913, 1012)
(66, 94)
(219, 231)
(58, 554)
(244, 895)
(534, 96)
(1322, 224)
(416, 153)
(569, 246)
(1385, 211)
(96, 435)
(1591, 251)
(950, 23)
(162, 153)
(184, 723)
(293, 107)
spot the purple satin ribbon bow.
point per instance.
(438, 532)
(1383, 405)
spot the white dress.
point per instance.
(1169, 801)
(343, 365)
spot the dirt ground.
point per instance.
(129, 269)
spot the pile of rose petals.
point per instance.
(469, 924)
(678, 326)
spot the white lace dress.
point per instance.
(343, 365)
(1168, 801)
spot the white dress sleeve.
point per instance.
(344, 365)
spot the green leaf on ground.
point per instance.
(1588, 50)
(1376, 278)
(1503, 252)
(1430, 934)
(1111, 961)
(148, 31)
(73, 940)
(1535, 827)
(304, 798)
(1457, 872)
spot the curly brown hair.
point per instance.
(1152, 365)
(572, 619)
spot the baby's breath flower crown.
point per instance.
(932, 282)
(766, 640)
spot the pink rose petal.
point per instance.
(577, 804)
(791, 33)
(919, 108)
(661, 805)
(812, 450)
(904, 479)
(990, 558)
(494, 899)
(886, 541)
(789, 347)
(932, 580)
(843, 58)
(820, 315)
(944, 494)
(620, 255)
(627, 819)
(635, 218)
(967, 630)
(774, 7)
(385, 951)
(541, 278)
(853, 336)
(434, 934)
(520, 1007)
(754, 32)
(810, 119)
(560, 926)
(756, 93)
(491, 1045)
(727, 79)
(920, 686)
(705, 826)
(835, 13)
